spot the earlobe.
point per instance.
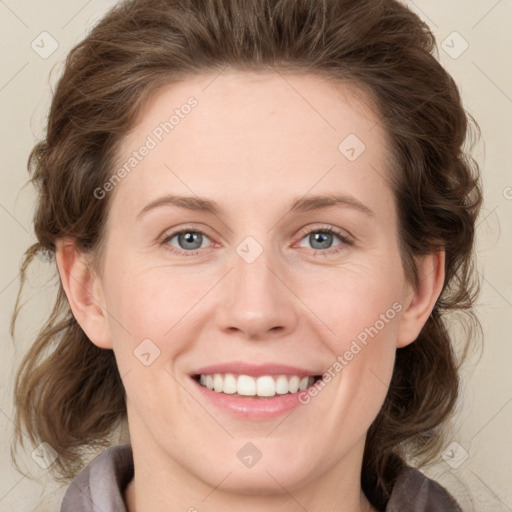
(422, 298)
(84, 292)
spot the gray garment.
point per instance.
(100, 487)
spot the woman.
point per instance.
(260, 213)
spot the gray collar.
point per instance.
(100, 487)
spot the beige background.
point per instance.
(483, 71)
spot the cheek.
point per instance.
(358, 379)
(155, 310)
(151, 301)
(362, 311)
(357, 302)
(363, 355)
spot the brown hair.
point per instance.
(68, 392)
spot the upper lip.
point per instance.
(254, 370)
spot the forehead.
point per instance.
(252, 134)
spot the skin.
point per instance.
(253, 144)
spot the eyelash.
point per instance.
(323, 229)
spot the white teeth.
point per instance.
(282, 385)
(218, 383)
(245, 385)
(293, 383)
(230, 385)
(303, 383)
(265, 386)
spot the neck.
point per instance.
(163, 485)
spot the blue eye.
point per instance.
(187, 240)
(321, 240)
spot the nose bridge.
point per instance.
(255, 283)
(258, 303)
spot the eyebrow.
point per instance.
(303, 204)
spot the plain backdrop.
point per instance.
(474, 43)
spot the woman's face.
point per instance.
(287, 265)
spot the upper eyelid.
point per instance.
(171, 232)
(305, 230)
(326, 227)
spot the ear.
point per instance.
(422, 297)
(84, 292)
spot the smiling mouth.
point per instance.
(264, 386)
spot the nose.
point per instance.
(257, 301)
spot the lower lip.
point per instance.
(252, 408)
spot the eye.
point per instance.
(322, 240)
(186, 241)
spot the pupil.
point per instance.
(190, 238)
(324, 239)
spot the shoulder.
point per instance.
(414, 492)
(100, 485)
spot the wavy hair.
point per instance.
(68, 392)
